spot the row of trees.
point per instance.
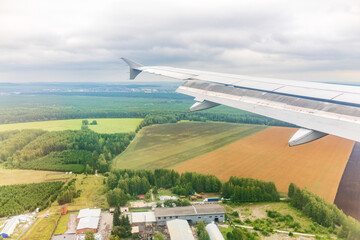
(16, 199)
(68, 193)
(249, 190)
(325, 214)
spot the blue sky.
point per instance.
(82, 40)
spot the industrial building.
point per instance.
(88, 223)
(214, 232)
(88, 220)
(87, 212)
(144, 221)
(179, 229)
(193, 214)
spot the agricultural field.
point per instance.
(16, 176)
(317, 166)
(108, 125)
(164, 146)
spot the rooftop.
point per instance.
(189, 210)
(87, 212)
(179, 230)
(88, 222)
(143, 217)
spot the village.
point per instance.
(147, 218)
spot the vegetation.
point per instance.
(123, 230)
(89, 235)
(325, 214)
(249, 190)
(68, 193)
(76, 151)
(177, 203)
(201, 231)
(17, 199)
(42, 228)
(167, 145)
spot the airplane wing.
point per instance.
(319, 108)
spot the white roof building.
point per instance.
(88, 223)
(164, 198)
(87, 212)
(214, 232)
(143, 217)
(179, 229)
(10, 226)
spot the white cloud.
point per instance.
(82, 40)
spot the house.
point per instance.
(179, 229)
(142, 196)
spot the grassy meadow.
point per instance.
(16, 176)
(104, 125)
(166, 145)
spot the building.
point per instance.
(64, 209)
(69, 236)
(214, 232)
(88, 223)
(164, 198)
(193, 214)
(10, 226)
(87, 212)
(179, 229)
(144, 221)
(142, 218)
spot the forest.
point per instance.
(16, 199)
(325, 214)
(78, 151)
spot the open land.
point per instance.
(108, 125)
(16, 176)
(164, 146)
(317, 166)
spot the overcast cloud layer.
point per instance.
(83, 40)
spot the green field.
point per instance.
(108, 125)
(164, 146)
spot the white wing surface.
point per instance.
(319, 108)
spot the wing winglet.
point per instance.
(135, 68)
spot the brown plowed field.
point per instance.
(265, 155)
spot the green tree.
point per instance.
(159, 236)
(116, 217)
(291, 190)
(89, 235)
(94, 122)
(85, 122)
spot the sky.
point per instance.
(83, 40)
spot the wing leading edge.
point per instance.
(319, 108)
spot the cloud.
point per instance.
(82, 40)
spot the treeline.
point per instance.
(249, 190)
(140, 181)
(325, 214)
(124, 183)
(16, 199)
(77, 151)
(68, 193)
